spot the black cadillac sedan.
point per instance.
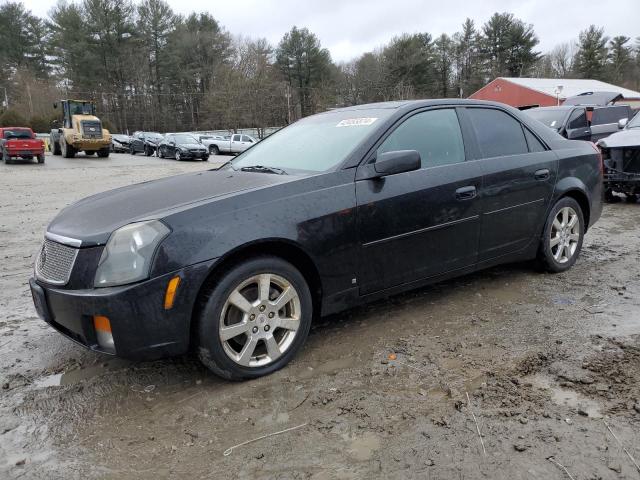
(182, 146)
(335, 210)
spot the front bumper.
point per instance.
(141, 327)
(192, 155)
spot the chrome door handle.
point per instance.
(466, 193)
(542, 174)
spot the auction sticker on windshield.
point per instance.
(356, 122)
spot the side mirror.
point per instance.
(622, 123)
(173, 144)
(400, 161)
(55, 123)
(55, 105)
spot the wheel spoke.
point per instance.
(288, 323)
(247, 351)
(573, 221)
(231, 331)
(574, 237)
(556, 224)
(273, 349)
(284, 298)
(264, 284)
(558, 254)
(567, 251)
(239, 301)
(554, 241)
(565, 216)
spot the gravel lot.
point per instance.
(545, 360)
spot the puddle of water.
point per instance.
(566, 397)
(362, 448)
(49, 381)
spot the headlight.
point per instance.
(127, 256)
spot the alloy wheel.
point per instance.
(178, 155)
(564, 235)
(259, 320)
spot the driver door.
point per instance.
(422, 223)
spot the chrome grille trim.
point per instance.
(55, 262)
(72, 242)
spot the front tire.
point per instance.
(41, 158)
(214, 150)
(103, 153)
(177, 155)
(147, 151)
(562, 238)
(67, 150)
(254, 318)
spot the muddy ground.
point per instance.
(548, 361)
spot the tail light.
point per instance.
(600, 157)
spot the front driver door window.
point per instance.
(418, 224)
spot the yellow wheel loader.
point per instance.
(80, 131)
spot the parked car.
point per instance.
(120, 143)
(621, 154)
(145, 142)
(580, 122)
(237, 143)
(20, 142)
(182, 146)
(207, 140)
(333, 211)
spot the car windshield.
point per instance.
(186, 139)
(315, 144)
(634, 122)
(8, 134)
(551, 117)
(154, 136)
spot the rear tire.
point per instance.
(6, 158)
(41, 158)
(562, 237)
(55, 148)
(147, 151)
(132, 150)
(272, 332)
(214, 150)
(103, 153)
(177, 155)
(160, 152)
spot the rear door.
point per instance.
(236, 143)
(418, 224)
(604, 120)
(518, 180)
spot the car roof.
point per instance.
(411, 104)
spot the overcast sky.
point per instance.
(350, 27)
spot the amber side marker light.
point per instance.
(103, 333)
(170, 296)
(102, 324)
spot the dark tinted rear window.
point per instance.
(606, 115)
(498, 133)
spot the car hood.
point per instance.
(624, 138)
(92, 219)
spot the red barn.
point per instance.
(546, 92)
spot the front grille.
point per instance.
(91, 129)
(55, 262)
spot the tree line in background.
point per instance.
(150, 68)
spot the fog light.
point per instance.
(170, 295)
(103, 333)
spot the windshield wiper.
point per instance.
(262, 168)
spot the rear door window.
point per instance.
(236, 138)
(534, 144)
(498, 134)
(602, 116)
(435, 134)
(246, 139)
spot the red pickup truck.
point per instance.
(20, 142)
